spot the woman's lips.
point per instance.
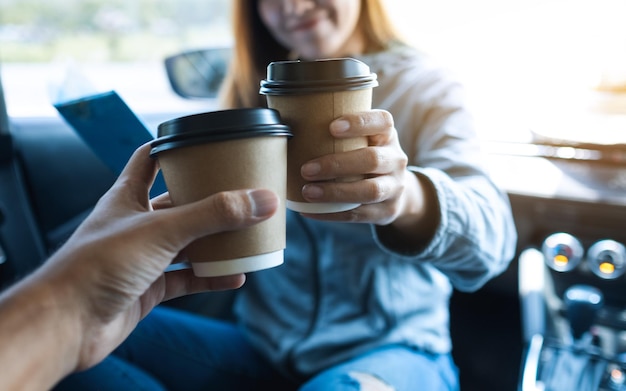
(304, 25)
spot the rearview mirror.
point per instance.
(198, 73)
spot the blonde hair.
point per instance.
(255, 48)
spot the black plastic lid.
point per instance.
(300, 77)
(218, 126)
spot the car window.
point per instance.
(551, 67)
(53, 49)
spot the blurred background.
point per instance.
(528, 64)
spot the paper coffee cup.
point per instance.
(309, 95)
(207, 153)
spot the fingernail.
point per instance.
(312, 191)
(311, 169)
(339, 126)
(264, 202)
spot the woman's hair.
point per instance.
(254, 48)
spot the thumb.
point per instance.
(224, 211)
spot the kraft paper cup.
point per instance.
(309, 95)
(207, 153)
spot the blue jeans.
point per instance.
(174, 350)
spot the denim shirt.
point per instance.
(348, 288)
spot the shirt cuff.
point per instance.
(389, 239)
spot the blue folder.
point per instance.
(110, 128)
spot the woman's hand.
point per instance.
(389, 193)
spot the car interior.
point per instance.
(555, 320)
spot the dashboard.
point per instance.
(573, 210)
(569, 205)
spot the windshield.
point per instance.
(535, 69)
(555, 69)
(55, 50)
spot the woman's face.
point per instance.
(315, 29)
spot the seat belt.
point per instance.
(21, 245)
(6, 142)
(6, 151)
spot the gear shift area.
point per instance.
(573, 336)
(582, 303)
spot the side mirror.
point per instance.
(198, 73)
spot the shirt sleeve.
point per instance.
(475, 239)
